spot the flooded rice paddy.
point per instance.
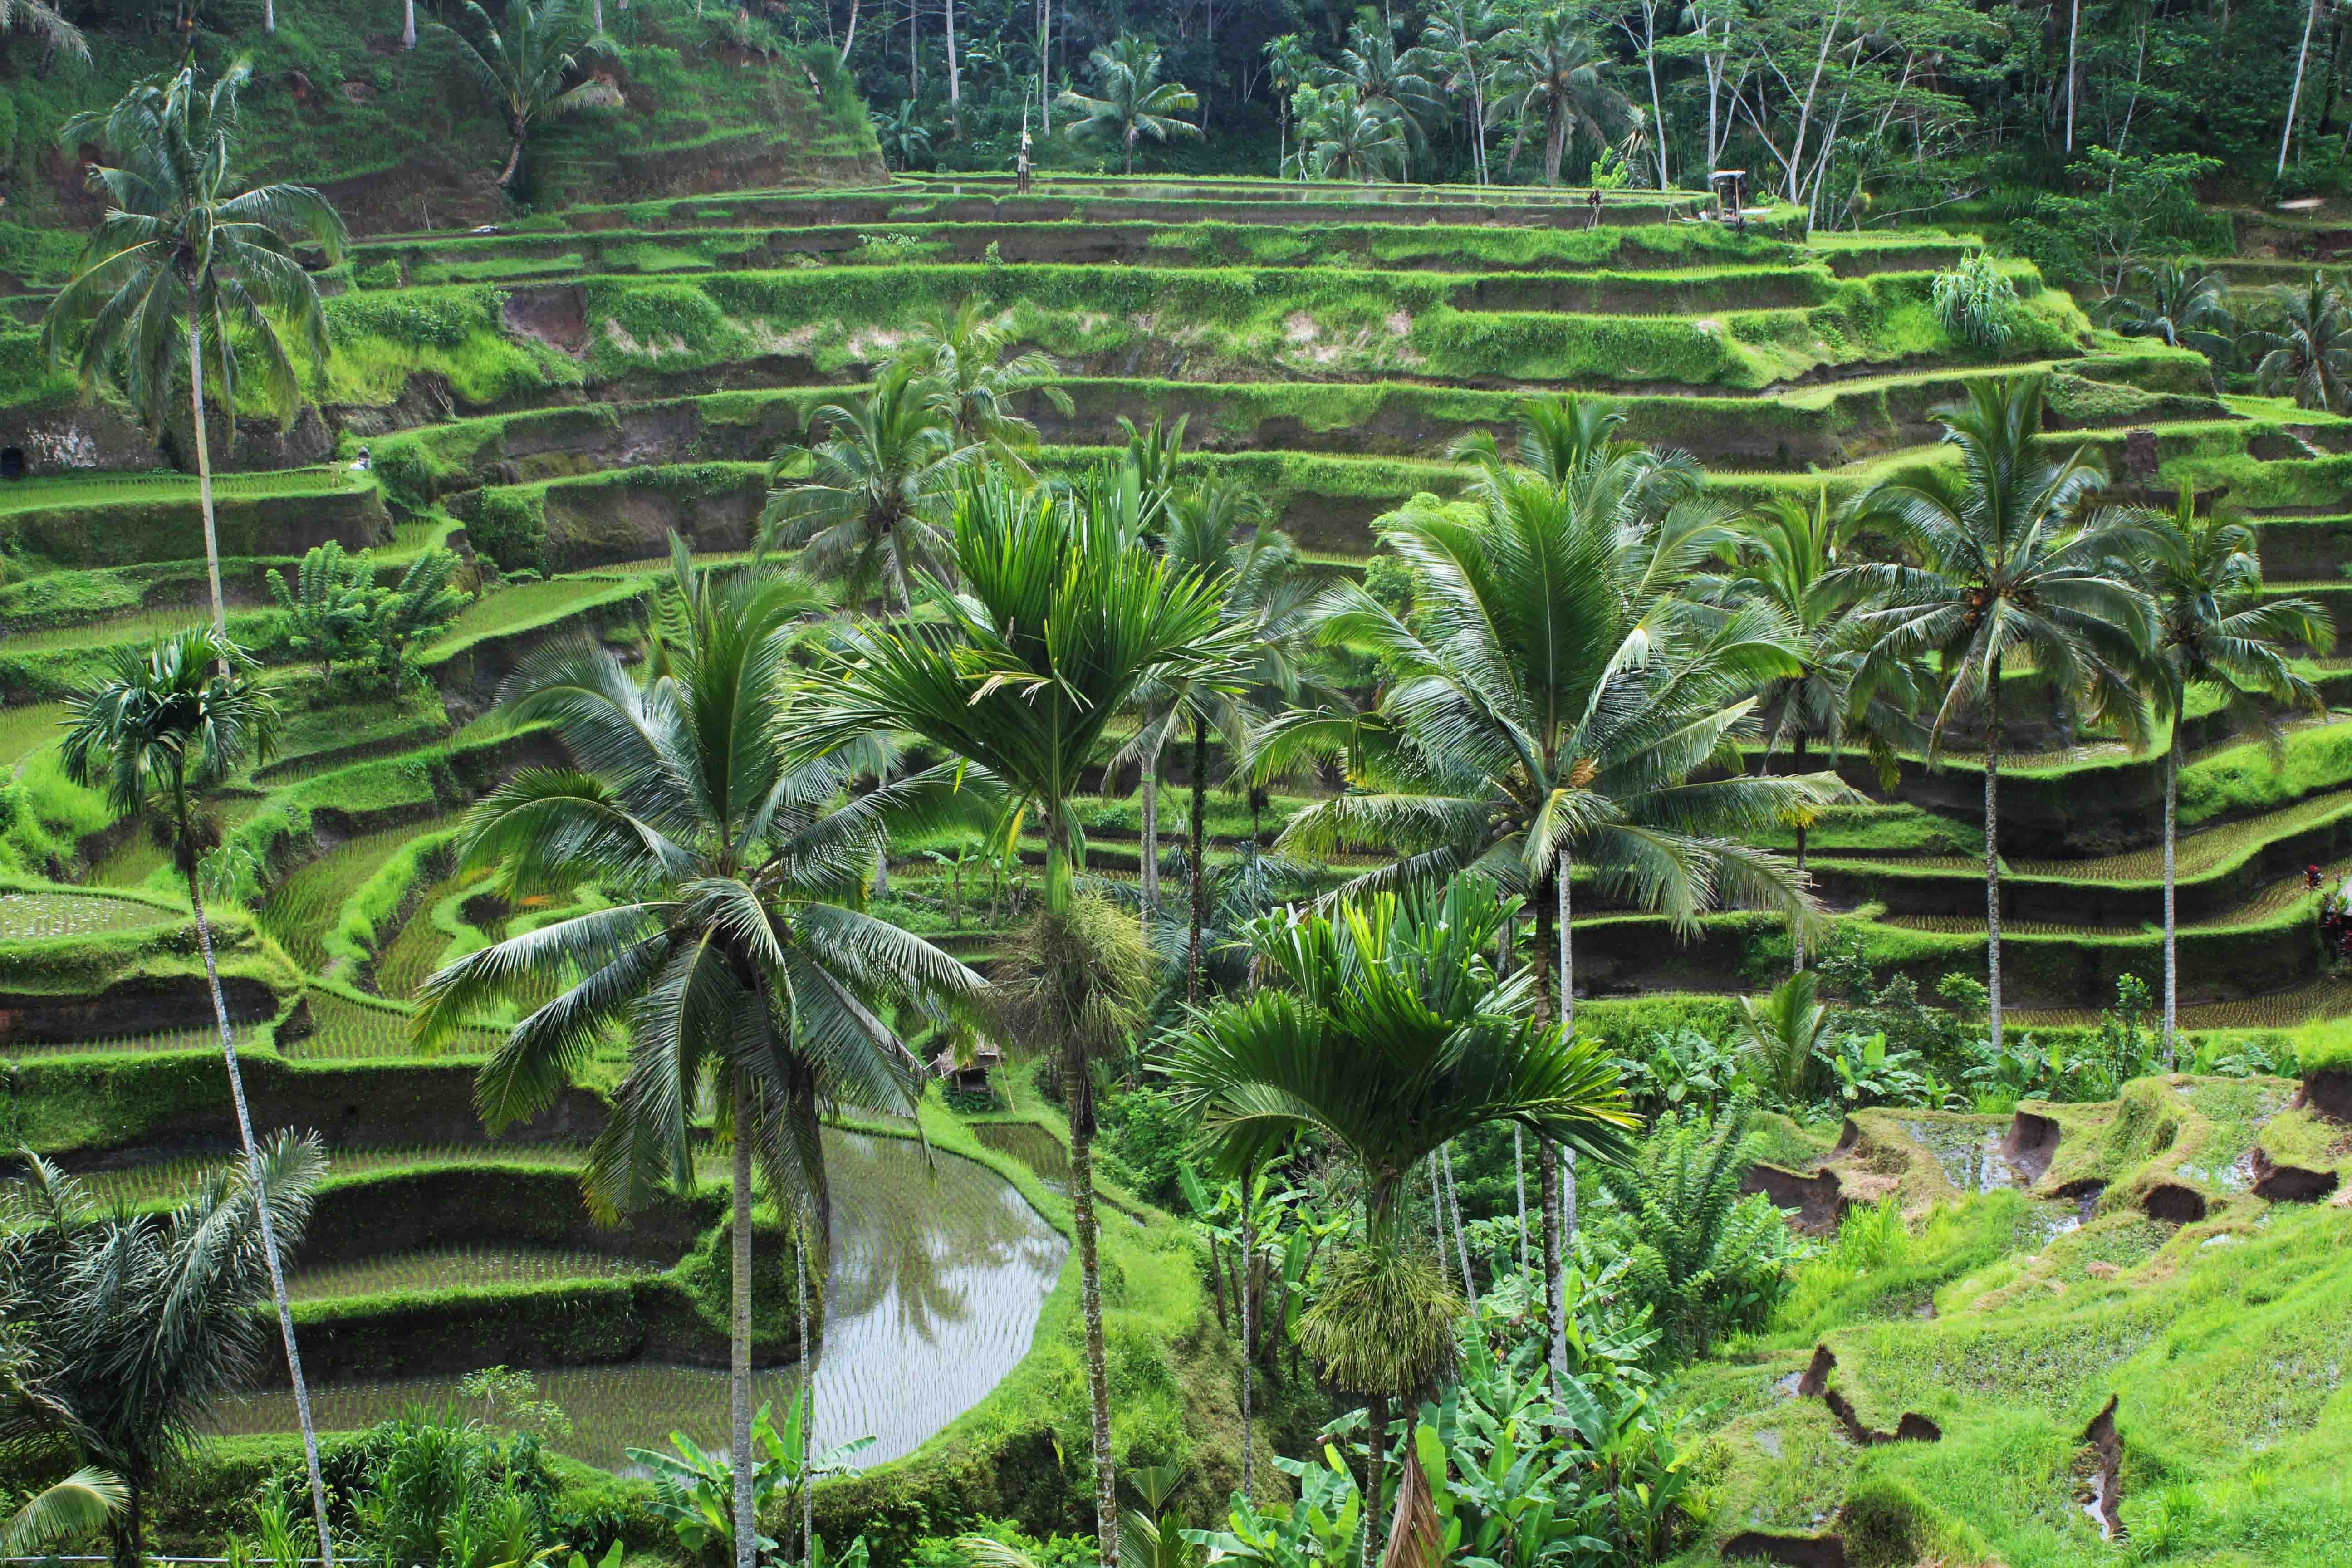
(938, 1272)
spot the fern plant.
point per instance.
(1975, 302)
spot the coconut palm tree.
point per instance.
(867, 504)
(732, 952)
(1391, 82)
(186, 270)
(127, 1331)
(1383, 1030)
(167, 725)
(1549, 702)
(2010, 567)
(2182, 305)
(1133, 102)
(39, 16)
(2306, 350)
(1059, 617)
(1341, 137)
(1463, 41)
(965, 356)
(78, 1506)
(2215, 629)
(1554, 77)
(521, 67)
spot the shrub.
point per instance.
(1974, 302)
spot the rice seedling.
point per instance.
(146, 627)
(416, 949)
(164, 1181)
(451, 1268)
(43, 494)
(41, 917)
(2329, 996)
(203, 1038)
(304, 907)
(23, 729)
(2199, 853)
(345, 1030)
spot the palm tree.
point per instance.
(2009, 564)
(1555, 77)
(966, 357)
(1058, 618)
(1551, 701)
(2214, 629)
(2182, 305)
(164, 727)
(1464, 38)
(2306, 350)
(521, 67)
(1341, 137)
(1383, 1030)
(39, 17)
(1776, 1038)
(870, 506)
(184, 271)
(128, 1330)
(1788, 562)
(732, 952)
(1288, 64)
(80, 1505)
(1134, 102)
(1390, 82)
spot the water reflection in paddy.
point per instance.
(938, 1277)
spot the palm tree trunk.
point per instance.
(1992, 853)
(1376, 1468)
(1249, 1326)
(808, 1393)
(1554, 144)
(204, 475)
(1796, 923)
(1519, 1183)
(408, 25)
(2074, 77)
(269, 15)
(1461, 1246)
(1563, 1218)
(1148, 791)
(738, 1348)
(268, 1230)
(2171, 955)
(955, 78)
(596, 14)
(514, 161)
(2287, 135)
(1198, 870)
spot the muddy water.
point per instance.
(938, 1277)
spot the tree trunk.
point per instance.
(205, 476)
(2302, 54)
(848, 38)
(596, 14)
(1045, 66)
(269, 15)
(955, 78)
(2074, 77)
(2171, 955)
(1555, 144)
(739, 1337)
(514, 161)
(1992, 853)
(1249, 1327)
(1796, 921)
(408, 25)
(1079, 1090)
(1657, 105)
(1555, 1325)
(1198, 870)
(808, 1393)
(1564, 1218)
(1461, 1246)
(1148, 791)
(1519, 1184)
(1376, 1467)
(269, 1228)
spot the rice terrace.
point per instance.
(887, 784)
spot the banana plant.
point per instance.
(1321, 1529)
(694, 1490)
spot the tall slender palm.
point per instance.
(867, 503)
(1289, 61)
(2010, 567)
(1461, 41)
(1133, 102)
(2306, 348)
(1550, 702)
(965, 355)
(164, 727)
(521, 67)
(127, 1331)
(1788, 560)
(185, 271)
(1059, 617)
(2216, 629)
(1383, 1030)
(731, 952)
(1554, 77)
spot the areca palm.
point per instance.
(188, 280)
(521, 67)
(2009, 563)
(731, 951)
(1288, 63)
(167, 725)
(2306, 348)
(1058, 618)
(128, 1331)
(965, 356)
(2216, 629)
(1382, 1029)
(1555, 77)
(867, 504)
(1133, 100)
(1341, 137)
(1549, 702)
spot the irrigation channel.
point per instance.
(936, 1281)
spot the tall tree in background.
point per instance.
(1131, 100)
(732, 957)
(2216, 629)
(1553, 77)
(168, 724)
(1058, 618)
(521, 68)
(2008, 566)
(187, 278)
